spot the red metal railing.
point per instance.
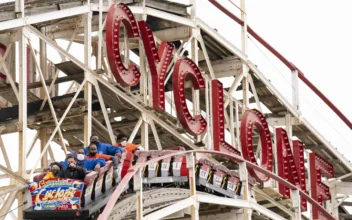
(290, 65)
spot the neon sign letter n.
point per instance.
(290, 164)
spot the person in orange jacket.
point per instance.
(129, 147)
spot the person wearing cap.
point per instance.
(129, 147)
(54, 170)
(103, 148)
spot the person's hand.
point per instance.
(46, 170)
(118, 155)
(72, 165)
(97, 167)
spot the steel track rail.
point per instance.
(152, 200)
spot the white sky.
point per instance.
(314, 35)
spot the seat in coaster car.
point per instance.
(153, 168)
(205, 167)
(108, 178)
(143, 156)
(166, 163)
(179, 167)
(220, 175)
(233, 183)
(89, 181)
(99, 182)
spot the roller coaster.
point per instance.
(155, 70)
(170, 172)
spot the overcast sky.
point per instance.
(316, 37)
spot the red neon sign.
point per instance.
(186, 67)
(2, 52)
(250, 119)
(290, 164)
(320, 192)
(158, 63)
(117, 14)
(219, 120)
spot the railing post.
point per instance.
(88, 88)
(138, 188)
(247, 212)
(192, 184)
(19, 8)
(296, 204)
(332, 205)
(295, 90)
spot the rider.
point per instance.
(92, 153)
(129, 147)
(73, 171)
(89, 163)
(54, 170)
(104, 148)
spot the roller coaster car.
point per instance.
(98, 186)
(90, 196)
(168, 170)
(218, 179)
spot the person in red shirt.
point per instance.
(129, 147)
(92, 154)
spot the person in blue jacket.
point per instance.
(88, 164)
(104, 148)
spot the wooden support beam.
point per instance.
(345, 216)
(278, 108)
(258, 85)
(6, 176)
(4, 89)
(301, 133)
(13, 175)
(7, 205)
(229, 66)
(263, 99)
(346, 204)
(313, 147)
(11, 188)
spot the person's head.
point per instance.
(94, 139)
(92, 149)
(55, 167)
(122, 139)
(70, 159)
(80, 155)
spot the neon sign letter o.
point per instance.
(255, 118)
